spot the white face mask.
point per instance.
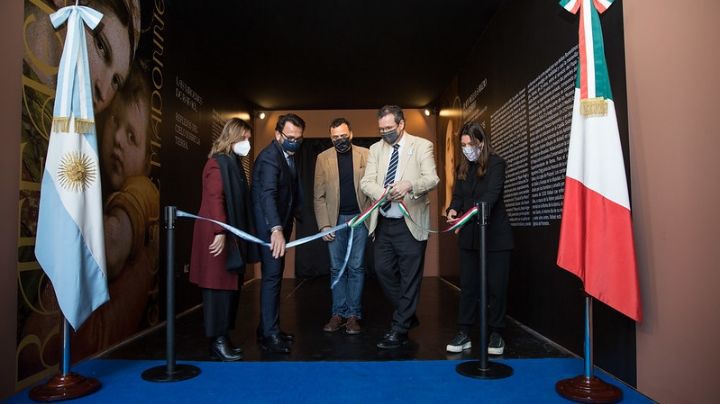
(471, 152)
(242, 148)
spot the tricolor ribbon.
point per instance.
(359, 219)
(455, 223)
(73, 97)
(593, 79)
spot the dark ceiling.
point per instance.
(325, 54)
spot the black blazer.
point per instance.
(486, 189)
(276, 194)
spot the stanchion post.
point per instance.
(483, 368)
(170, 217)
(482, 299)
(171, 372)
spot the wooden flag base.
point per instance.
(588, 390)
(65, 387)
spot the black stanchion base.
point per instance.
(588, 390)
(160, 373)
(65, 387)
(494, 370)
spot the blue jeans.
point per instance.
(347, 293)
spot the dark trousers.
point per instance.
(219, 309)
(399, 259)
(498, 268)
(272, 274)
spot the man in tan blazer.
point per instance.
(404, 165)
(337, 198)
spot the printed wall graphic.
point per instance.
(124, 84)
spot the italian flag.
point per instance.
(596, 240)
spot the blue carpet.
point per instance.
(533, 381)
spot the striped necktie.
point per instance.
(390, 176)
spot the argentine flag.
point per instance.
(70, 243)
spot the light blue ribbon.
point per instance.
(73, 97)
(347, 257)
(249, 237)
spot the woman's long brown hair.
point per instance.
(478, 135)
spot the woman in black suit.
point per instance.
(480, 177)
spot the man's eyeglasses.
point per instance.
(291, 139)
(388, 129)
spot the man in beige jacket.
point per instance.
(337, 199)
(404, 165)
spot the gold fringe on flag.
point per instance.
(84, 125)
(60, 124)
(594, 107)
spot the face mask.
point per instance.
(291, 145)
(242, 148)
(471, 152)
(390, 137)
(342, 145)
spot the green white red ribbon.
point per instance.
(594, 81)
(455, 223)
(359, 219)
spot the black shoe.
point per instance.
(459, 343)
(233, 348)
(393, 340)
(287, 337)
(496, 345)
(274, 343)
(414, 322)
(221, 349)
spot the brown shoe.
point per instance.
(334, 324)
(352, 326)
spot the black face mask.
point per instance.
(342, 145)
(291, 145)
(391, 136)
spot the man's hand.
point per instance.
(277, 244)
(451, 215)
(399, 190)
(217, 245)
(329, 236)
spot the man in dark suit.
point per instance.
(277, 199)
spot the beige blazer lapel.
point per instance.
(384, 161)
(334, 176)
(358, 168)
(408, 150)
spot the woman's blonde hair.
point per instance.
(233, 132)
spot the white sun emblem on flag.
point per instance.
(76, 171)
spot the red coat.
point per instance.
(207, 271)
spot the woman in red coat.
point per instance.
(218, 258)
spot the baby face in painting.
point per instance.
(124, 146)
